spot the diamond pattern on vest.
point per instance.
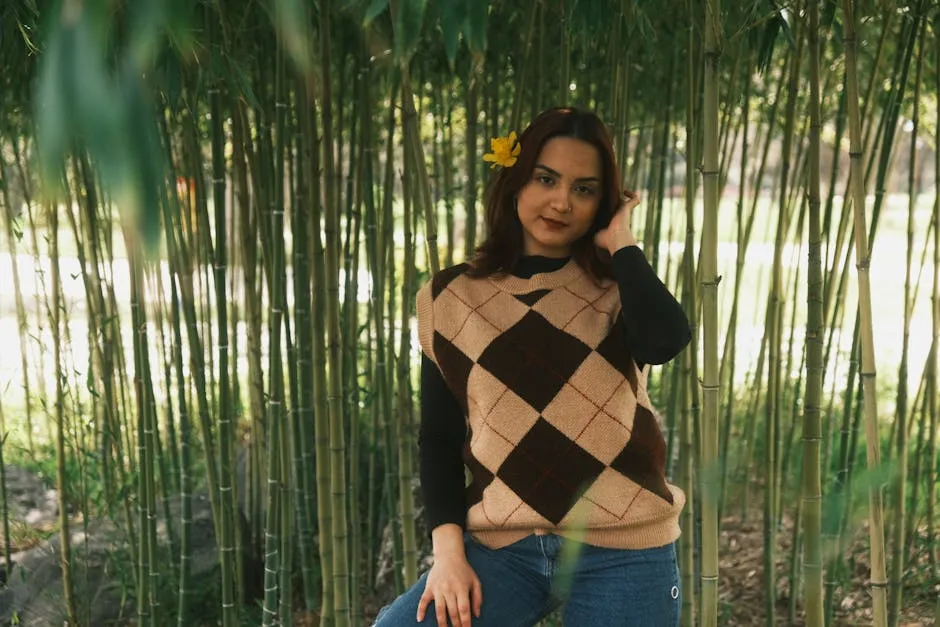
(452, 360)
(549, 471)
(643, 459)
(534, 358)
(550, 391)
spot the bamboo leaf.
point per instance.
(242, 82)
(146, 159)
(453, 17)
(51, 129)
(76, 101)
(375, 9)
(408, 23)
(774, 27)
(475, 25)
(292, 21)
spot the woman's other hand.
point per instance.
(452, 584)
(619, 233)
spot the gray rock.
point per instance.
(29, 498)
(102, 572)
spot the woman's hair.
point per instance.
(504, 246)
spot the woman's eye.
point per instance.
(584, 190)
(545, 179)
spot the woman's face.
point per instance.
(558, 204)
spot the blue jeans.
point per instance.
(527, 580)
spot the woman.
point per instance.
(535, 362)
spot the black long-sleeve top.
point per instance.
(656, 327)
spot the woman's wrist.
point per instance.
(447, 540)
(620, 238)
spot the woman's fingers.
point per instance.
(423, 603)
(456, 616)
(476, 597)
(440, 607)
(456, 607)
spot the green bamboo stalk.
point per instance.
(95, 302)
(275, 414)
(283, 167)
(186, 486)
(811, 489)
(389, 266)
(415, 150)
(839, 498)
(321, 410)
(375, 261)
(896, 581)
(775, 329)
(303, 412)
(38, 281)
(931, 475)
(472, 156)
(22, 323)
(3, 493)
(65, 559)
(248, 248)
(686, 480)
(403, 425)
(447, 166)
(218, 254)
(876, 525)
(709, 287)
(180, 262)
(334, 342)
(689, 375)
(519, 95)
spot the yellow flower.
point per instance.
(505, 150)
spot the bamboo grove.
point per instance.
(230, 205)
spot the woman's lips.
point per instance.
(555, 225)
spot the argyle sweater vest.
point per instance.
(561, 434)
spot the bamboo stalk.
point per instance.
(901, 406)
(218, 254)
(403, 423)
(22, 323)
(334, 342)
(303, 413)
(812, 426)
(876, 525)
(933, 542)
(65, 559)
(709, 287)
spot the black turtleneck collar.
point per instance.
(530, 265)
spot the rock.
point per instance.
(29, 498)
(102, 572)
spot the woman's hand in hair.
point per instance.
(619, 233)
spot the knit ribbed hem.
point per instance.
(634, 535)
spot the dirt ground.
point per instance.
(741, 581)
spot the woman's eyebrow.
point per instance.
(584, 179)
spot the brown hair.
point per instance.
(503, 247)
